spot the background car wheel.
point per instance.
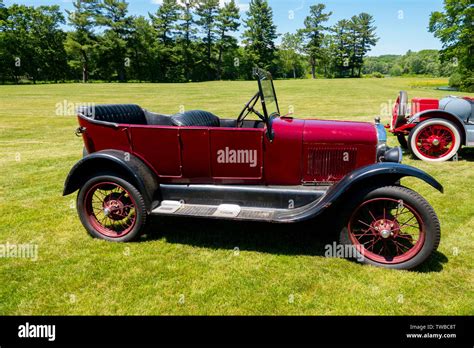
(110, 208)
(402, 141)
(391, 227)
(435, 140)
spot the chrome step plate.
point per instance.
(168, 207)
(227, 210)
(223, 211)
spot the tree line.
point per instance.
(191, 40)
(424, 62)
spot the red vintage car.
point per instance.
(436, 129)
(276, 168)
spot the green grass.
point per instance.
(193, 266)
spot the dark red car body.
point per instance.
(276, 169)
(299, 154)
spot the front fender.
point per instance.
(421, 116)
(377, 175)
(116, 162)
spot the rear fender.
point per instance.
(430, 114)
(122, 164)
(376, 175)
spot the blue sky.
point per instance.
(401, 24)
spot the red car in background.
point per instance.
(436, 129)
(276, 168)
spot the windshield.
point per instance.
(267, 93)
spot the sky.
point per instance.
(401, 24)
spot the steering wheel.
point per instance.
(248, 108)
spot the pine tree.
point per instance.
(187, 36)
(366, 38)
(314, 32)
(81, 42)
(227, 21)
(165, 22)
(207, 11)
(341, 47)
(113, 16)
(143, 50)
(261, 34)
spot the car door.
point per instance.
(236, 155)
(159, 147)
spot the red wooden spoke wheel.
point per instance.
(110, 209)
(386, 230)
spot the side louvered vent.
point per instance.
(329, 164)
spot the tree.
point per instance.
(113, 16)
(314, 34)
(143, 50)
(455, 28)
(207, 11)
(227, 21)
(290, 54)
(165, 22)
(33, 43)
(49, 41)
(5, 56)
(3, 12)
(187, 35)
(260, 34)
(81, 42)
(366, 38)
(341, 47)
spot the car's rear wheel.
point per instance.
(435, 140)
(110, 208)
(392, 227)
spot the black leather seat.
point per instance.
(196, 118)
(119, 113)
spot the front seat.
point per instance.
(195, 118)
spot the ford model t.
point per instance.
(272, 168)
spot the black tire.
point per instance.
(402, 140)
(431, 225)
(136, 198)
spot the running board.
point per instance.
(223, 211)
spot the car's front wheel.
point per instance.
(111, 208)
(435, 140)
(392, 227)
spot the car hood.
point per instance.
(339, 132)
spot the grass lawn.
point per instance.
(210, 267)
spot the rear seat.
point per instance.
(134, 114)
(115, 113)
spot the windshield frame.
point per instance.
(266, 76)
